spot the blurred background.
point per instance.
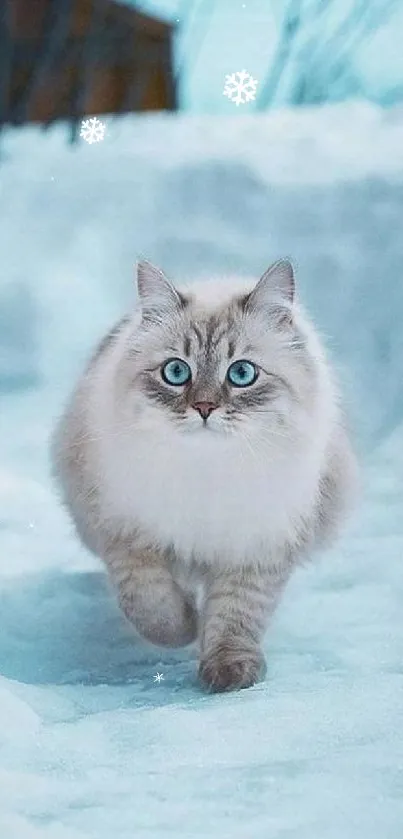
(303, 52)
(211, 137)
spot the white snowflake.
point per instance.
(92, 130)
(158, 678)
(240, 87)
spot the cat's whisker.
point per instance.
(270, 434)
(116, 433)
(253, 450)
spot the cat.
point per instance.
(202, 456)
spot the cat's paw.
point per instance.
(229, 667)
(171, 621)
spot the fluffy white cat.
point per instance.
(202, 455)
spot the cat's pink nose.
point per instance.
(204, 408)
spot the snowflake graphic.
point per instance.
(158, 678)
(92, 130)
(240, 87)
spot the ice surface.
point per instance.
(90, 745)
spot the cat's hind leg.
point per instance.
(150, 598)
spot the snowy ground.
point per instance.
(90, 745)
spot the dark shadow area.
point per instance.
(67, 629)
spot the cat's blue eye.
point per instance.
(242, 373)
(176, 372)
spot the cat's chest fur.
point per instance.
(205, 497)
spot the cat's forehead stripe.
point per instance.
(231, 348)
(210, 333)
(198, 334)
(186, 346)
(213, 331)
(216, 331)
(211, 326)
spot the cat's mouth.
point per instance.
(205, 427)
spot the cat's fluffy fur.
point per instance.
(200, 522)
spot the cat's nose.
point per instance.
(204, 408)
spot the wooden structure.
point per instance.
(67, 59)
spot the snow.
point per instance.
(90, 744)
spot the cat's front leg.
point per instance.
(150, 598)
(237, 607)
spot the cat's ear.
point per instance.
(158, 297)
(274, 292)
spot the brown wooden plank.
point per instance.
(27, 17)
(133, 71)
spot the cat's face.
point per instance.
(230, 368)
